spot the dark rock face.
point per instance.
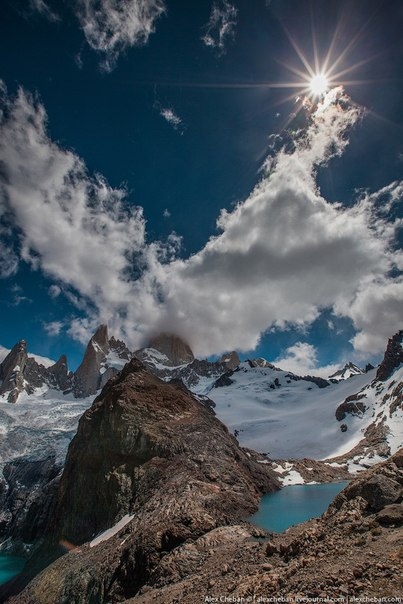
(56, 376)
(320, 382)
(20, 372)
(224, 380)
(12, 371)
(393, 357)
(27, 496)
(151, 450)
(87, 376)
(177, 351)
(231, 360)
(350, 407)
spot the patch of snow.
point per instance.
(293, 477)
(113, 360)
(111, 531)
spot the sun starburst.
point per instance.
(319, 85)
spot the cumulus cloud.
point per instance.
(111, 26)
(302, 359)
(285, 253)
(53, 328)
(221, 25)
(73, 226)
(280, 258)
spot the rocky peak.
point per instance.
(393, 357)
(87, 376)
(120, 348)
(231, 360)
(60, 374)
(173, 347)
(347, 371)
(12, 371)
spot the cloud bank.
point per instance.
(279, 258)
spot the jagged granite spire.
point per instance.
(12, 371)
(88, 375)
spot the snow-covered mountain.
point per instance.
(283, 415)
(268, 409)
(348, 371)
(350, 423)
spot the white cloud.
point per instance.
(74, 227)
(302, 359)
(285, 253)
(113, 26)
(172, 118)
(282, 256)
(166, 213)
(53, 328)
(221, 25)
(9, 260)
(54, 291)
(43, 8)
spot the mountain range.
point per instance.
(174, 450)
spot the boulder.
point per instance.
(391, 514)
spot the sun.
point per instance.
(319, 85)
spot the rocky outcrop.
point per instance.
(27, 496)
(352, 405)
(393, 357)
(12, 371)
(177, 351)
(147, 451)
(231, 360)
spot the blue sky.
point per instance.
(164, 166)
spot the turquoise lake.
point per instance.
(295, 504)
(10, 566)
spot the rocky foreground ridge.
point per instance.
(151, 453)
(354, 550)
